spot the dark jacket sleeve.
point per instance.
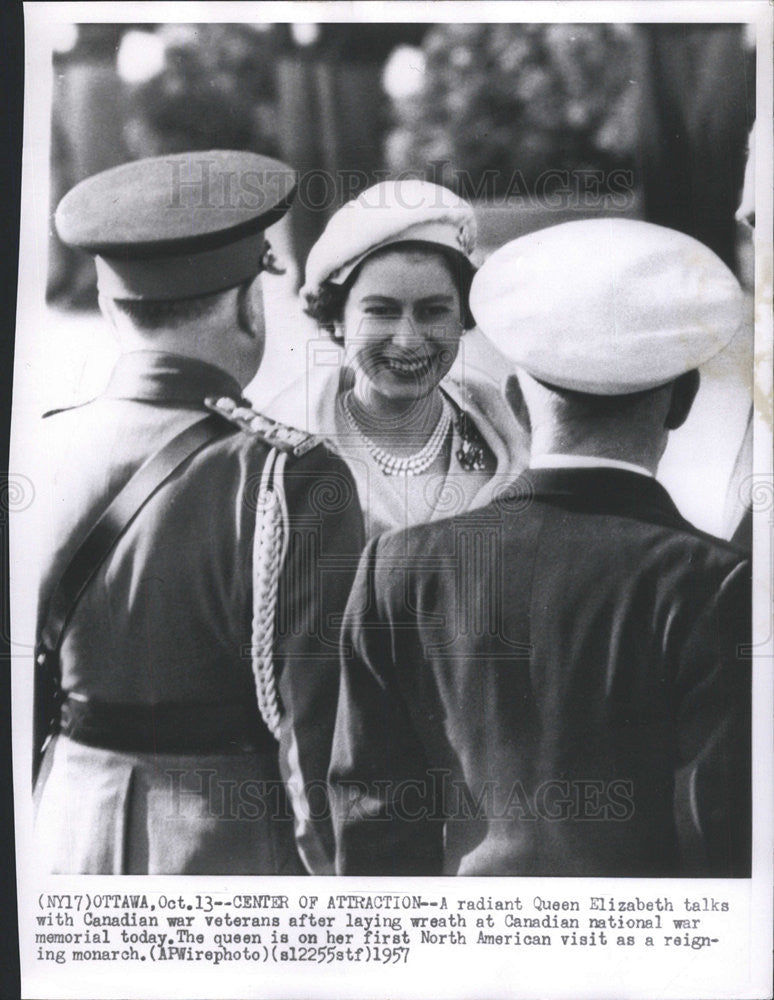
(713, 777)
(324, 545)
(382, 799)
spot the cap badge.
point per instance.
(464, 238)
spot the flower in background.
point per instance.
(495, 98)
(205, 86)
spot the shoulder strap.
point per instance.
(122, 510)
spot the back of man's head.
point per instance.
(225, 328)
(151, 317)
(630, 427)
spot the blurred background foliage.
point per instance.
(532, 97)
(214, 89)
(474, 106)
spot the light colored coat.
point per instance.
(313, 403)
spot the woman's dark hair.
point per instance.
(326, 306)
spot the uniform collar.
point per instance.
(159, 377)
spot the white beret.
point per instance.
(607, 306)
(390, 212)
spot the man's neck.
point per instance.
(643, 454)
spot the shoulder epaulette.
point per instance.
(274, 433)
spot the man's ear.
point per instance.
(684, 392)
(249, 301)
(516, 401)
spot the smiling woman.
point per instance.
(389, 281)
(402, 327)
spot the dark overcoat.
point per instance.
(556, 684)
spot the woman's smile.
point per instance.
(411, 367)
(402, 325)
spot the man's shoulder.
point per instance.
(711, 561)
(661, 532)
(124, 433)
(648, 541)
(257, 428)
(516, 518)
(722, 548)
(445, 534)
(315, 480)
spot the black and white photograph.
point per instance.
(390, 500)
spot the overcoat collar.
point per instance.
(604, 491)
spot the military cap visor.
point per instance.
(177, 226)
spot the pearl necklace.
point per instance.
(404, 465)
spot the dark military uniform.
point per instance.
(164, 763)
(553, 685)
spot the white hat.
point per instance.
(607, 306)
(390, 212)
